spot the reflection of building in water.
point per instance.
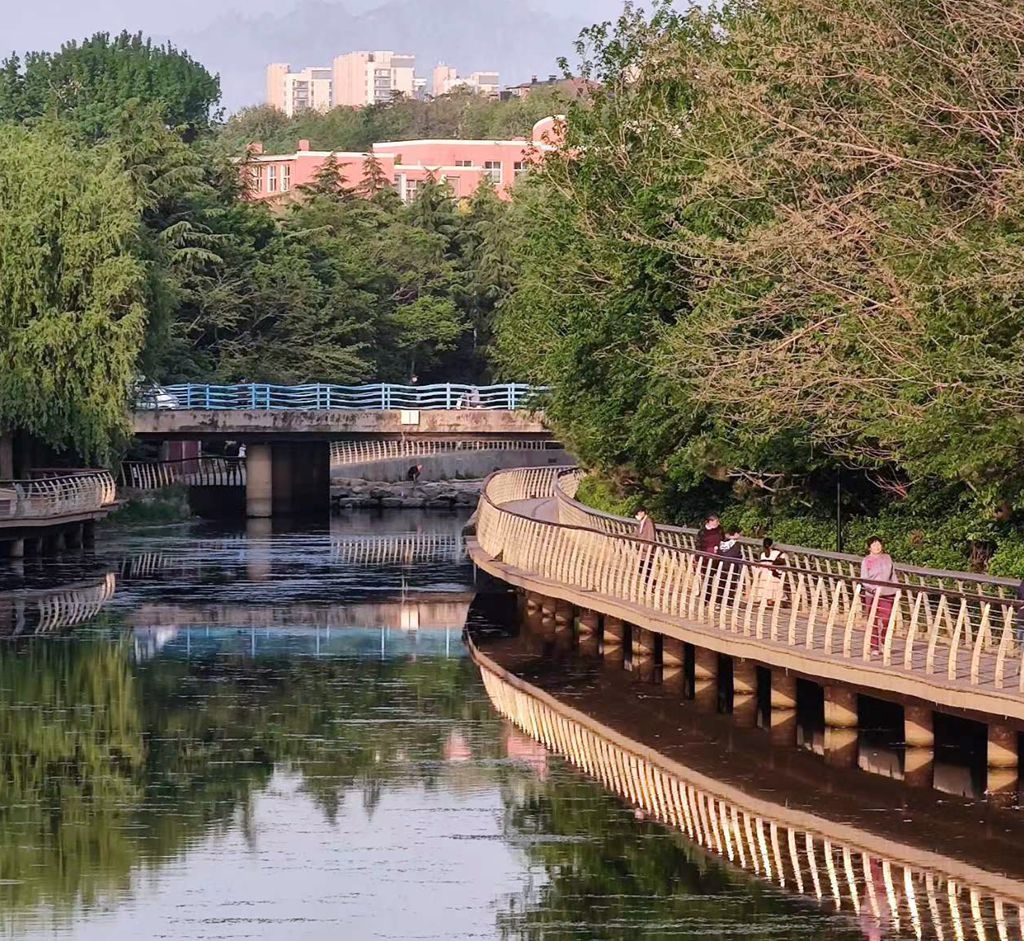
(890, 887)
(54, 609)
(149, 641)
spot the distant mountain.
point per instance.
(513, 38)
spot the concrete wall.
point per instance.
(450, 466)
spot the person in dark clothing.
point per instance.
(414, 472)
(730, 550)
(710, 536)
(646, 531)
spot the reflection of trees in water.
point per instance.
(107, 766)
(609, 877)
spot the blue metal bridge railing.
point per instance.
(260, 396)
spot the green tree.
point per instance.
(87, 84)
(73, 289)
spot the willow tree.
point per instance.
(72, 289)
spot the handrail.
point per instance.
(836, 864)
(365, 452)
(201, 471)
(571, 510)
(948, 638)
(51, 495)
(261, 396)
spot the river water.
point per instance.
(257, 733)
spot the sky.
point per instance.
(237, 38)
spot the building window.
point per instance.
(286, 178)
(453, 182)
(519, 168)
(492, 168)
(257, 179)
(463, 163)
(411, 189)
(272, 178)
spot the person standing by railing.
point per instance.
(771, 579)
(877, 566)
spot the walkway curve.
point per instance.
(947, 648)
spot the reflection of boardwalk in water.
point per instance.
(398, 549)
(47, 610)
(888, 886)
(442, 612)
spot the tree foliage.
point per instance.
(73, 288)
(781, 245)
(88, 84)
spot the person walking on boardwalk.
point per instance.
(645, 530)
(731, 552)
(710, 536)
(877, 566)
(770, 580)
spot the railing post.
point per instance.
(447, 395)
(252, 395)
(328, 397)
(384, 396)
(207, 388)
(512, 396)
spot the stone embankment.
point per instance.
(435, 494)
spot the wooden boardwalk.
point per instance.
(956, 649)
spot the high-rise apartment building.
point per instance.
(447, 78)
(370, 78)
(292, 92)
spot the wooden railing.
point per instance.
(898, 887)
(194, 472)
(363, 452)
(949, 638)
(574, 513)
(51, 495)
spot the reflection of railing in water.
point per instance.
(398, 548)
(903, 889)
(46, 611)
(947, 642)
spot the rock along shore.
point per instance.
(435, 494)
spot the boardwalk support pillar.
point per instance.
(705, 679)
(744, 692)
(783, 715)
(919, 741)
(1002, 759)
(587, 625)
(841, 723)
(614, 632)
(642, 653)
(672, 663)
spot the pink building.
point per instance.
(462, 163)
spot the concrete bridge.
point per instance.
(948, 648)
(287, 430)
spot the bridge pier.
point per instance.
(287, 477)
(259, 493)
(673, 663)
(641, 654)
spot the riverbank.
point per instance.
(349, 493)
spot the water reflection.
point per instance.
(889, 862)
(258, 736)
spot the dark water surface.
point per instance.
(263, 734)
